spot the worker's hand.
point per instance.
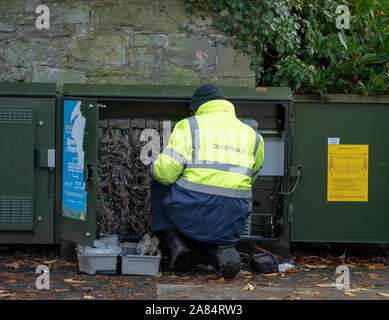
(149, 172)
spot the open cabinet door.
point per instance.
(79, 170)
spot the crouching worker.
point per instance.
(202, 181)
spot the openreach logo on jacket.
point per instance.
(236, 141)
(228, 148)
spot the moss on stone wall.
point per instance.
(113, 41)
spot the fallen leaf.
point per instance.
(311, 266)
(212, 276)
(273, 298)
(13, 265)
(307, 292)
(271, 275)
(249, 287)
(87, 288)
(292, 298)
(139, 294)
(10, 281)
(384, 294)
(342, 257)
(373, 276)
(245, 272)
(249, 277)
(261, 89)
(375, 265)
(357, 289)
(220, 280)
(326, 285)
(89, 297)
(127, 284)
(347, 293)
(326, 261)
(61, 290)
(290, 270)
(49, 261)
(74, 281)
(262, 284)
(67, 263)
(5, 294)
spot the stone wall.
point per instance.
(113, 41)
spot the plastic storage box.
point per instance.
(97, 263)
(135, 264)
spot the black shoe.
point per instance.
(179, 254)
(228, 260)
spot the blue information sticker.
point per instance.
(73, 186)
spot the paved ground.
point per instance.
(314, 279)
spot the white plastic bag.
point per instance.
(106, 245)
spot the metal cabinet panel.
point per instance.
(27, 125)
(315, 219)
(17, 163)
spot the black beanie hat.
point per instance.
(205, 93)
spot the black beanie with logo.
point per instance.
(205, 93)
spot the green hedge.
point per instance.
(297, 43)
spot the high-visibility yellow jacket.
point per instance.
(212, 160)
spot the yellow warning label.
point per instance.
(347, 172)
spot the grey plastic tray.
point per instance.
(135, 264)
(97, 263)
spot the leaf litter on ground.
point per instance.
(13, 265)
(249, 287)
(325, 285)
(307, 292)
(74, 281)
(383, 294)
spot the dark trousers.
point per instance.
(164, 228)
(158, 193)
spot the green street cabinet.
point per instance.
(85, 105)
(27, 162)
(340, 143)
(324, 179)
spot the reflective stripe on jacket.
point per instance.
(212, 159)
